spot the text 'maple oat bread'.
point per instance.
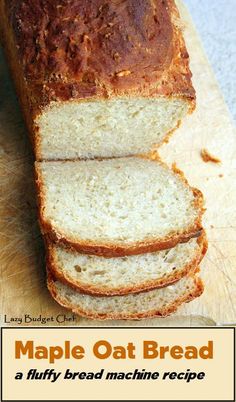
(97, 275)
(154, 303)
(116, 207)
(97, 78)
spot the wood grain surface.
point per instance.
(22, 286)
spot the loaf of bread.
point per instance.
(119, 276)
(97, 78)
(117, 207)
(155, 303)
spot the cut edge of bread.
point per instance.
(119, 250)
(96, 290)
(161, 312)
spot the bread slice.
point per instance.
(117, 207)
(118, 276)
(115, 83)
(154, 303)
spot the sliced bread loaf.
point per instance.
(117, 207)
(154, 303)
(118, 276)
(96, 78)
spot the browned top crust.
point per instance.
(76, 49)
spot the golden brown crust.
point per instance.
(110, 250)
(115, 250)
(109, 50)
(24, 93)
(97, 290)
(199, 288)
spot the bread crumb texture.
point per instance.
(131, 274)
(160, 302)
(116, 201)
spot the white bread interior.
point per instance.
(111, 276)
(108, 128)
(116, 201)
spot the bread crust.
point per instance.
(199, 288)
(112, 61)
(118, 250)
(110, 250)
(94, 290)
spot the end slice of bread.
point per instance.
(154, 303)
(117, 207)
(97, 275)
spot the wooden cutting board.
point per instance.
(23, 289)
